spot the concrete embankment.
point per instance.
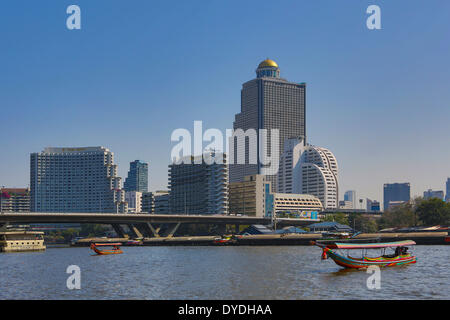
(421, 238)
(430, 238)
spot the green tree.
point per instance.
(399, 216)
(339, 217)
(433, 212)
(363, 223)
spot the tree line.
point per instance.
(415, 213)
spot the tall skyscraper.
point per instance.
(350, 195)
(268, 102)
(199, 188)
(396, 192)
(137, 179)
(75, 180)
(308, 169)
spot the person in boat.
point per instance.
(398, 252)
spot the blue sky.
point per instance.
(137, 70)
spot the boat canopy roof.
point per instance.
(107, 244)
(348, 245)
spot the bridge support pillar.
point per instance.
(119, 230)
(173, 230)
(151, 230)
(135, 231)
(236, 228)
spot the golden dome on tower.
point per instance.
(268, 63)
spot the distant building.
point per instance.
(447, 190)
(75, 180)
(393, 204)
(308, 169)
(329, 226)
(372, 205)
(253, 197)
(147, 202)
(199, 188)
(14, 200)
(294, 205)
(248, 197)
(429, 194)
(162, 202)
(137, 179)
(134, 200)
(351, 197)
(268, 102)
(155, 202)
(345, 205)
(396, 192)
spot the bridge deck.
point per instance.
(109, 218)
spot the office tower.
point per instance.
(267, 102)
(350, 195)
(308, 169)
(134, 200)
(447, 190)
(199, 188)
(137, 179)
(14, 200)
(75, 180)
(395, 193)
(429, 194)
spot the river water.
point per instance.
(245, 272)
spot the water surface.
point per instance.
(245, 272)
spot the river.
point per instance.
(241, 272)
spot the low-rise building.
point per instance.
(248, 197)
(14, 200)
(252, 197)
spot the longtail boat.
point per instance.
(401, 256)
(115, 250)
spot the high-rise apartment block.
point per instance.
(137, 179)
(75, 180)
(197, 186)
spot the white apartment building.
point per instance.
(307, 169)
(75, 180)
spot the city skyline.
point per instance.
(362, 86)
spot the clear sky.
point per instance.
(137, 70)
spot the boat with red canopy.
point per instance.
(115, 248)
(400, 256)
